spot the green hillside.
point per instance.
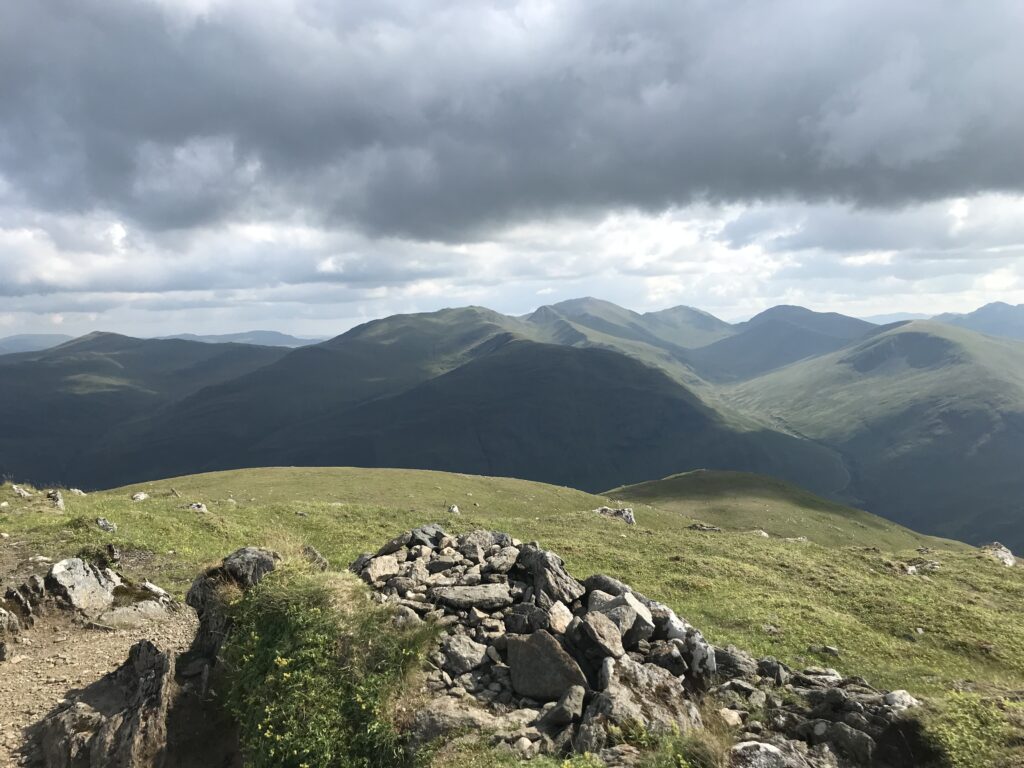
(769, 595)
(57, 403)
(929, 419)
(580, 417)
(658, 339)
(922, 423)
(737, 501)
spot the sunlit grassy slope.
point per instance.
(771, 596)
(739, 501)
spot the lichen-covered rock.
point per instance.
(646, 694)
(82, 585)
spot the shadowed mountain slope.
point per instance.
(578, 417)
(56, 404)
(773, 339)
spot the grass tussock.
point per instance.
(312, 667)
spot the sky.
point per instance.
(306, 165)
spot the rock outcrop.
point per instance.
(625, 514)
(553, 665)
(997, 551)
(98, 596)
(117, 722)
(242, 569)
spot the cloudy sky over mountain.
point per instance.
(214, 165)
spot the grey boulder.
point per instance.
(540, 668)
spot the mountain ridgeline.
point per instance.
(921, 422)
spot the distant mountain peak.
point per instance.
(997, 318)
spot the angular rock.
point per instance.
(731, 717)
(105, 525)
(117, 722)
(426, 535)
(486, 597)
(551, 582)
(598, 637)
(559, 618)
(462, 655)
(598, 599)
(82, 585)
(568, 709)
(380, 569)
(732, 662)
(644, 694)
(56, 499)
(756, 754)
(140, 496)
(642, 625)
(540, 668)
(606, 584)
(502, 562)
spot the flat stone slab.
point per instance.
(486, 597)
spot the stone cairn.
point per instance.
(552, 665)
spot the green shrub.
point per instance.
(312, 668)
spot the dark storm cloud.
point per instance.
(447, 120)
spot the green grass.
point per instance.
(769, 596)
(742, 501)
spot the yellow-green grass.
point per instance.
(769, 596)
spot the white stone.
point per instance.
(559, 617)
(731, 717)
(901, 700)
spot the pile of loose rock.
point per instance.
(552, 665)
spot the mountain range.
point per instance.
(921, 422)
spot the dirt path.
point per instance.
(58, 654)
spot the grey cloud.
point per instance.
(450, 121)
